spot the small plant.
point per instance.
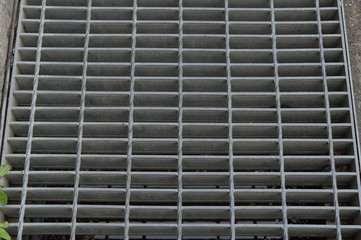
(4, 200)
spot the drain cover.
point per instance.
(181, 119)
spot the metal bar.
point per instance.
(279, 124)
(79, 146)
(180, 123)
(24, 190)
(130, 123)
(329, 129)
(230, 129)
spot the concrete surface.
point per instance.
(6, 10)
(353, 22)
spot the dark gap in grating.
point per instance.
(250, 96)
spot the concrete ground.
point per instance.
(353, 22)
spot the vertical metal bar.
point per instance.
(230, 129)
(279, 124)
(130, 124)
(351, 100)
(34, 97)
(328, 118)
(81, 124)
(180, 118)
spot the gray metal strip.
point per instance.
(79, 146)
(24, 190)
(130, 124)
(329, 128)
(180, 124)
(279, 124)
(230, 127)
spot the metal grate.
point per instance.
(181, 119)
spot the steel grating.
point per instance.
(181, 119)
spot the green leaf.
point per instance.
(4, 234)
(4, 170)
(3, 197)
(4, 225)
